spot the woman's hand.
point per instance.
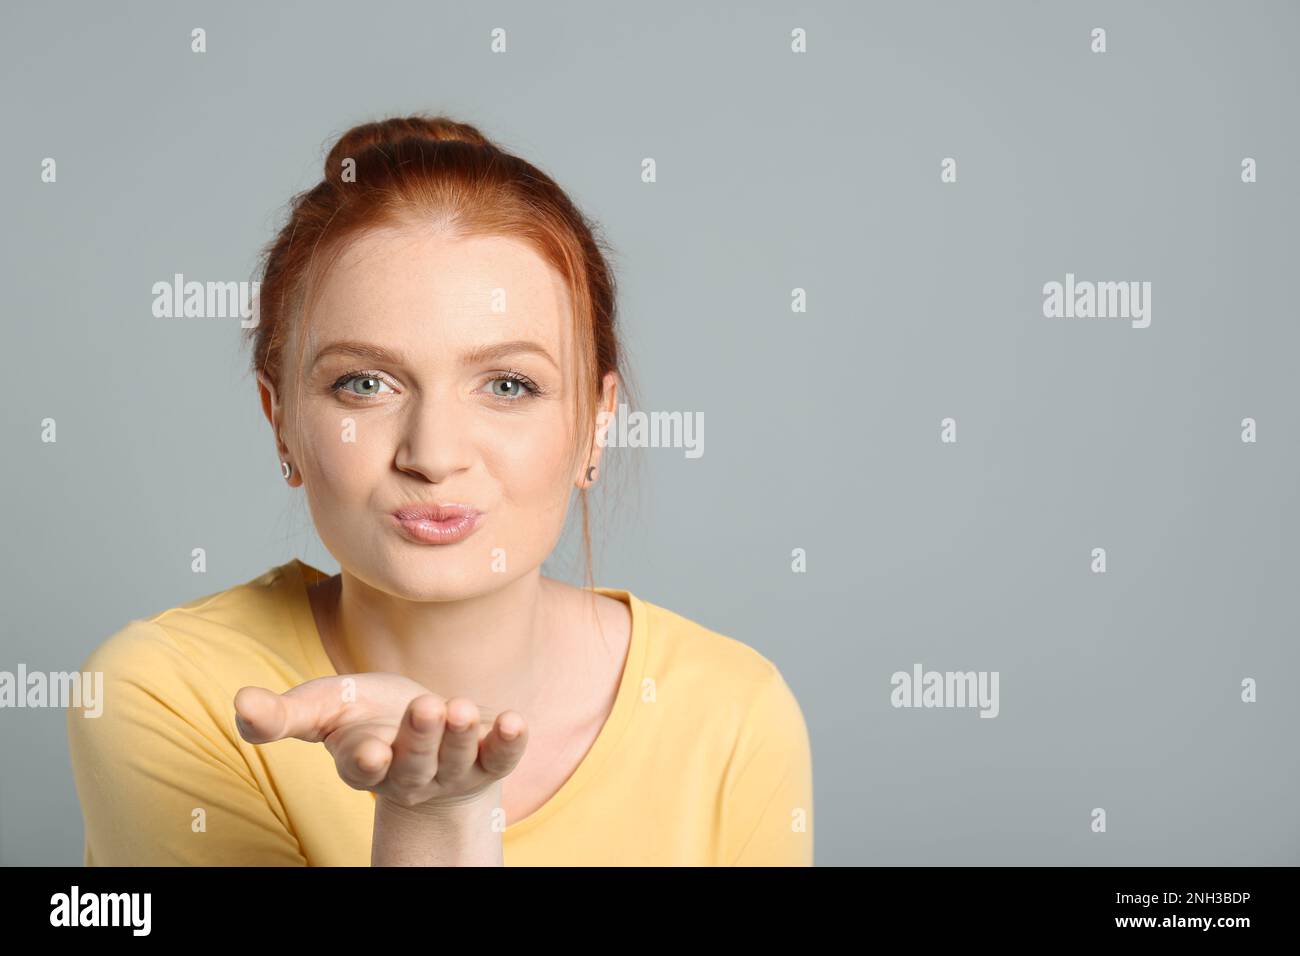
(391, 735)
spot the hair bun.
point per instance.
(397, 129)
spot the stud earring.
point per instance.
(286, 469)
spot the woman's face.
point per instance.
(422, 419)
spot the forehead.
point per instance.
(423, 292)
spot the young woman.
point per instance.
(436, 355)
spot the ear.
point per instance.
(604, 416)
(274, 413)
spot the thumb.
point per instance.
(262, 715)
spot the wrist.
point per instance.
(451, 809)
(459, 832)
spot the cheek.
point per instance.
(531, 463)
(349, 455)
(342, 452)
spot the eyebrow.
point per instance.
(481, 353)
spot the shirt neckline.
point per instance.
(300, 574)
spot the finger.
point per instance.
(415, 751)
(361, 758)
(459, 748)
(306, 711)
(502, 748)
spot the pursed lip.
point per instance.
(435, 511)
(436, 523)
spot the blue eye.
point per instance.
(520, 385)
(369, 380)
(366, 384)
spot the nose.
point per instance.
(435, 440)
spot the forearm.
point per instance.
(456, 835)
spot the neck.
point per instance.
(494, 648)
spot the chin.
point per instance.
(415, 574)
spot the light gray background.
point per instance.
(776, 171)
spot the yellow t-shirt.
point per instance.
(704, 759)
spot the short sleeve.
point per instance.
(160, 780)
(768, 808)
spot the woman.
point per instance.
(436, 353)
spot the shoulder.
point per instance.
(709, 667)
(203, 641)
(684, 643)
(733, 704)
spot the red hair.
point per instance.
(436, 171)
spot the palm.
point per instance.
(389, 734)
